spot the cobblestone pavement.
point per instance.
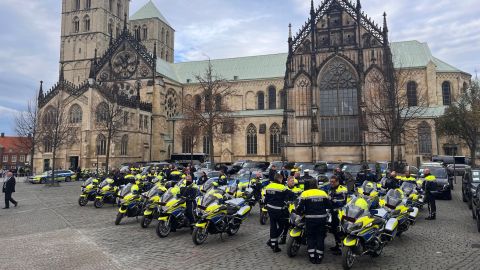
(48, 230)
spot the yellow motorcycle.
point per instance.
(395, 205)
(218, 217)
(89, 191)
(106, 193)
(131, 204)
(152, 199)
(414, 198)
(171, 213)
(363, 232)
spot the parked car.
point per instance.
(471, 179)
(237, 166)
(476, 206)
(457, 169)
(254, 166)
(443, 181)
(61, 175)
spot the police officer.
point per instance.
(429, 185)
(340, 176)
(408, 177)
(276, 196)
(189, 192)
(338, 196)
(313, 203)
(305, 178)
(391, 181)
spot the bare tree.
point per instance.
(26, 125)
(215, 120)
(109, 120)
(390, 109)
(191, 130)
(55, 130)
(462, 119)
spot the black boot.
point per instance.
(430, 217)
(283, 240)
(318, 259)
(312, 258)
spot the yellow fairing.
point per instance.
(366, 220)
(147, 212)
(414, 196)
(295, 233)
(350, 241)
(129, 197)
(122, 211)
(164, 218)
(201, 225)
(106, 188)
(155, 199)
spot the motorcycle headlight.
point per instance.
(473, 191)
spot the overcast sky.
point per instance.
(30, 40)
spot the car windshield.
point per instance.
(372, 166)
(476, 176)
(383, 166)
(126, 189)
(213, 174)
(352, 168)
(250, 165)
(332, 166)
(438, 172)
(304, 167)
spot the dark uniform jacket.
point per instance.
(9, 185)
(276, 196)
(313, 203)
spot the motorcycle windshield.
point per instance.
(393, 198)
(208, 200)
(126, 189)
(153, 192)
(232, 189)
(408, 187)
(167, 196)
(103, 184)
(368, 187)
(207, 185)
(88, 182)
(354, 212)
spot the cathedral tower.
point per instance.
(88, 25)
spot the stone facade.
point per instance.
(276, 96)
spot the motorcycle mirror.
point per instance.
(410, 210)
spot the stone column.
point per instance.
(159, 121)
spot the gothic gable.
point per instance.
(126, 59)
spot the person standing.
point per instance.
(338, 196)
(8, 189)
(272, 173)
(429, 185)
(313, 204)
(276, 196)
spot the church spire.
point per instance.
(385, 28)
(312, 10)
(125, 22)
(40, 91)
(359, 5)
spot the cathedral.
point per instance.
(308, 104)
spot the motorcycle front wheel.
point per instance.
(98, 203)
(233, 229)
(263, 217)
(145, 221)
(163, 230)
(348, 258)
(199, 235)
(293, 246)
(82, 201)
(119, 218)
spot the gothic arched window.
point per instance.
(110, 27)
(187, 142)
(77, 4)
(145, 32)
(162, 38)
(206, 145)
(218, 102)
(167, 39)
(251, 140)
(102, 112)
(119, 9)
(137, 32)
(197, 102)
(50, 116)
(412, 93)
(124, 145)
(338, 103)
(424, 138)
(283, 104)
(86, 23)
(272, 98)
(101, 145)
(260, 101)
(76, 25)
(75, 115)
(446, 93)
(47, 144)
(88, 4)
(110, 5)
(275, 139)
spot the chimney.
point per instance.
(2, 135)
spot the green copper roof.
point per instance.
(406, 54)
(244, 68)
(149, 11)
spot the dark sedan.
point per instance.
(443, 182)
(476, 206)
(470, 182)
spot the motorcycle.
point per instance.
(131, 204)
(106, 193)
(363, 232)
(296, 235)
(263, 210)
(215, 217)
(414, 198)
(89, 191)
(394, 204)
(152, 198)
(171, 213)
